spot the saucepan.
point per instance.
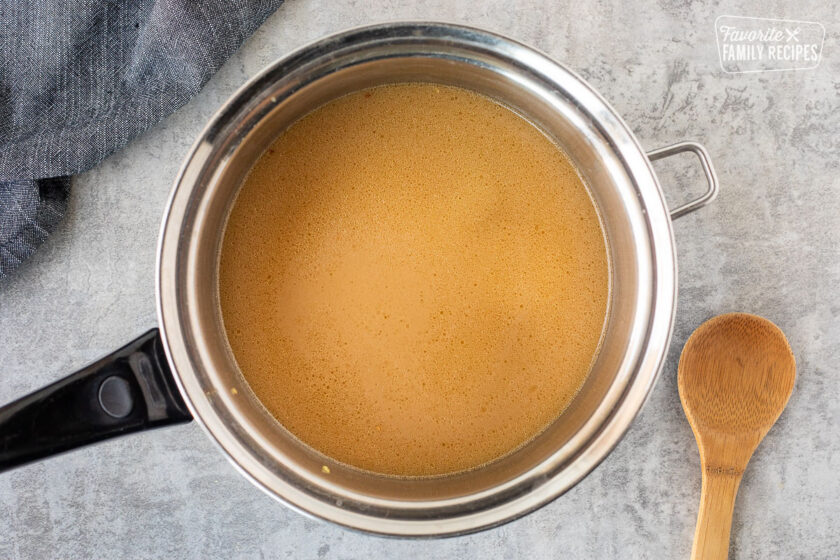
(184, 369)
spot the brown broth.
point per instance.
(414, 280)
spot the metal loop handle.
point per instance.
(708, 169)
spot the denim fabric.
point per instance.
(80, 78)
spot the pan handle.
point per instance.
(708, 169)
(129, 390)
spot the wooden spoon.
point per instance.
(735, 377)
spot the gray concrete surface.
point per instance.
(768, 245)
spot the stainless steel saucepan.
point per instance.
(186, 370)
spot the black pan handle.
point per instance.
(127, 391)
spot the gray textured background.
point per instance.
(768, 245)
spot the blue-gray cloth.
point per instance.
(80, 78)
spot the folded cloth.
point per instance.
(80, 78)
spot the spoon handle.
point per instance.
(717, 501)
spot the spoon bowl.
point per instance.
(735, 376)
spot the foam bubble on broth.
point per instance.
(414, 280)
